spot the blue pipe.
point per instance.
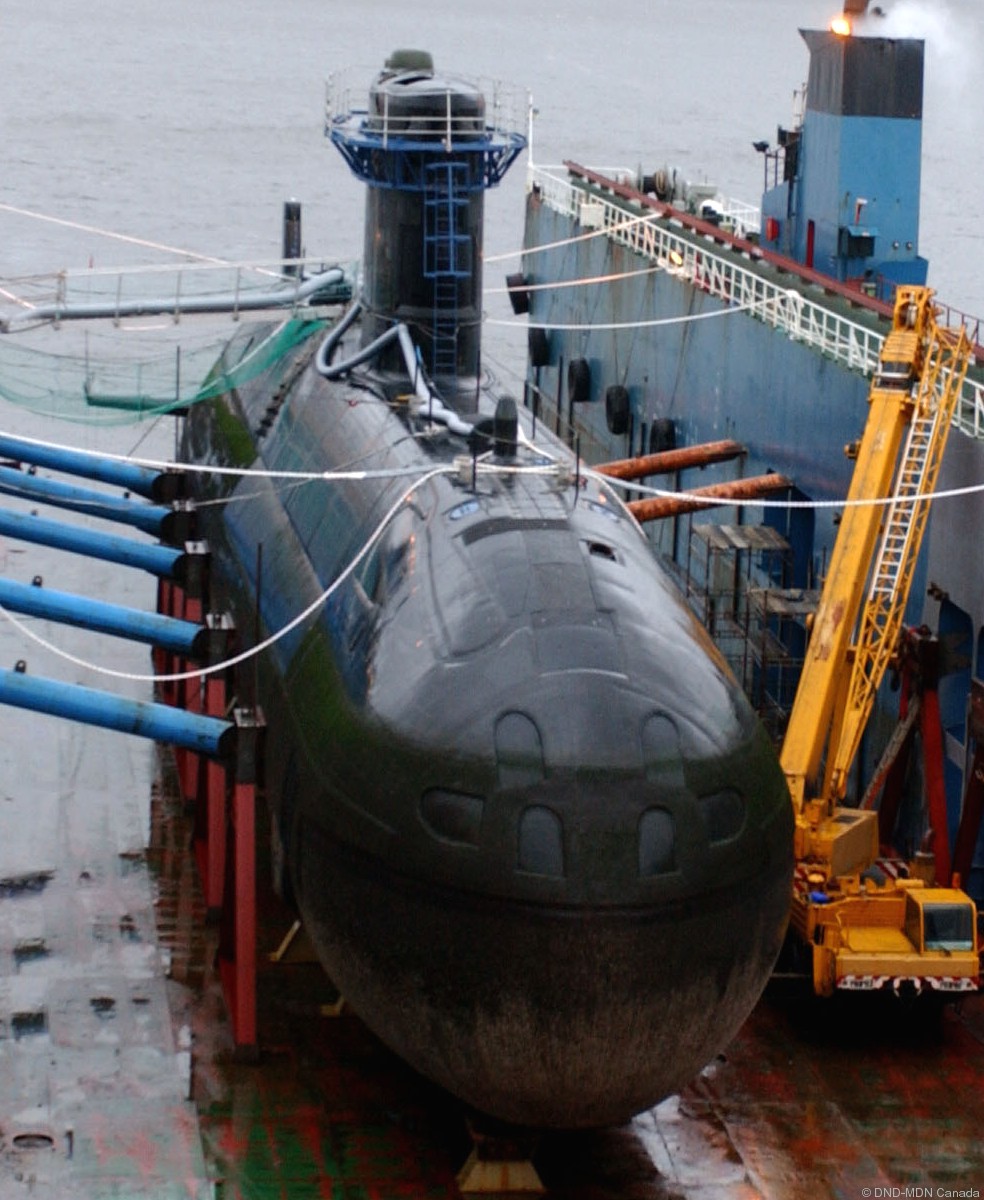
(163, 561)
(148, 517)
(145, 481)
(179, 637)
(161, 722)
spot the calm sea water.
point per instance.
(190, 122)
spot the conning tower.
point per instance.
(427, 150)
(845, 194)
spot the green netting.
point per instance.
(111, 387)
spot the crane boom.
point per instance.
(865, 930)
(911, 404)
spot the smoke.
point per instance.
(954, 37)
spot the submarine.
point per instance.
(532, 826)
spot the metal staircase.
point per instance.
(447, 257)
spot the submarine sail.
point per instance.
(536, 834)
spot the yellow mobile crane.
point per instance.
(867, 929)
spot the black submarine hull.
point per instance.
(534, 830)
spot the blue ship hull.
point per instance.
(686, 321)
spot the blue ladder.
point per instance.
(447, 257)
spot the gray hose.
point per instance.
(437, 410)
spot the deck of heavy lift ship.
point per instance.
(812, 1099)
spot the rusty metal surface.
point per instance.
(666, 461)
(659, 507)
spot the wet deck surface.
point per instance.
(811, 1100)
(118, 1077)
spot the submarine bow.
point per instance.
(535, 831)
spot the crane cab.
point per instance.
(942, 920)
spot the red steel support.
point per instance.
(931, 728)
(667, 461)
(894, 775)
(237, 944)
(706, 497)
(973, 801)
(210, 796)
(210, 823)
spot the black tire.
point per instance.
(519, 297)
(662, 436)
(578, 381)
(539, 347)
(617, 409)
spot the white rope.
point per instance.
(605, 231)
(654, 322)
(971, 489)
(246, 655)
(108, 233)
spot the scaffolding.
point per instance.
(736, 578)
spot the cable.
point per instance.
(605, 231)
(246, 655)
(656, 321)
(613, 277)
(971, 489)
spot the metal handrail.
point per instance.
(731, 279)
(345, 105)
(175, 288)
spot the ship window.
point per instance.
(454, 816)
(604, 510)
(948, 927)
(657, 838)
(541, 843)
(723, 814)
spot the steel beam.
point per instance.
(164, 561)
(160, 486)
(667, 461)
(149, 518)
(707, 497)
(160, 722)
(169, 633)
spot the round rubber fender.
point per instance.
(578, 381)
(519, 297)
(662, 436)
(539, 347)
(617, 408)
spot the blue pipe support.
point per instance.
(161, 722)
(148, 517)
(145, 481)
(169, 633)
(163, 561)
